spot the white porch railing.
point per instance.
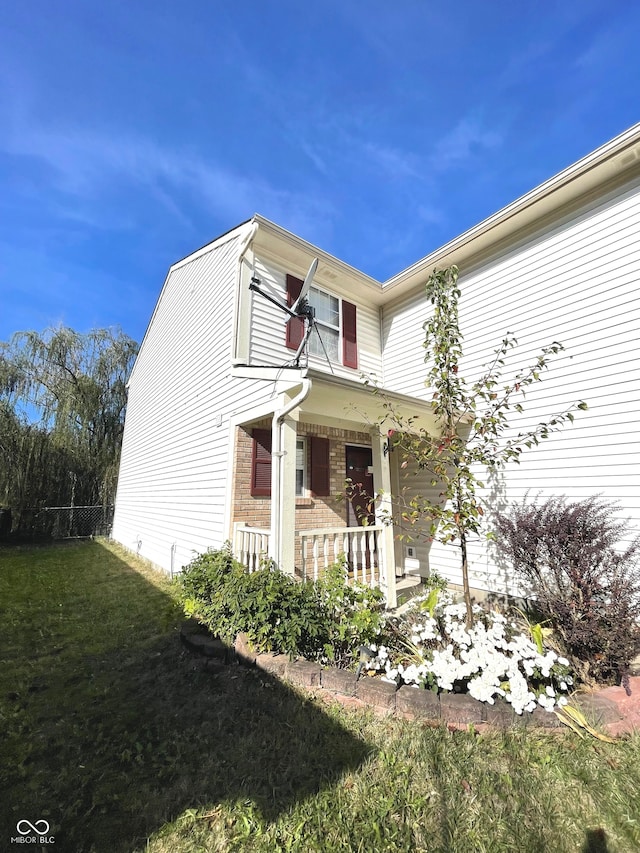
(362, 547)
(250, 545)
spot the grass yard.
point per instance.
(123, 741)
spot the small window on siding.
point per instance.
(301, 468)
(261, 463)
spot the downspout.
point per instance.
(275, 546)
(275, 549)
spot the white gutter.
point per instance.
(576, 172)
(275, 545)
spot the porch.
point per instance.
(309, 525)
(292, 461)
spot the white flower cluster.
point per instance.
(493, 658)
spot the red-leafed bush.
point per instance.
(581, 567)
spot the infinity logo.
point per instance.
(40, 827)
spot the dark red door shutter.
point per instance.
(295, 326)
(349, 335)
(261, 463)
(319, 466)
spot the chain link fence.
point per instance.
(60, 522)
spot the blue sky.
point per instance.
(133, 133)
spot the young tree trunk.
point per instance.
(462, 535)
(465, 578)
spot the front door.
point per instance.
(360, 471)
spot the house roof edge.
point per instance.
(515, 213)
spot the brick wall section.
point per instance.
(311, 512)
(328, 511)
(255, 512)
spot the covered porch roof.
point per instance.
(333, 401)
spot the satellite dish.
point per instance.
(299, 310)
(305, 286)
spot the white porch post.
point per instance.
(283, 479)
(384, 507)
(286, 557)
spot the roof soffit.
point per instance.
(295, 254)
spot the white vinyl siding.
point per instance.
(172, 487)
(267, 344)
(408, 483)
(402, 350)
(576, 283)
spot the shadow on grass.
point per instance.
(596, 842)
(111, 729)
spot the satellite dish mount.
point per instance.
(299, 310)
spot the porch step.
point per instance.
(407, 587)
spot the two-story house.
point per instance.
(229, 436)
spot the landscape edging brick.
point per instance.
(410, 702)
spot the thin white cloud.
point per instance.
(314, 155)
(430, 215)
(604, 50)
(394, 162)
(357, 143)
(87, 164)
(329, 138)
(293, 109)
(462, 143)
(84, 216)
(522, 63)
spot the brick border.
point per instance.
(452, 709)
(456, 710)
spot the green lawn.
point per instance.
(122, 741)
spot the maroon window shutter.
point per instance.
(319, 466)
(349, 335)
(295, 326)
(261, 463)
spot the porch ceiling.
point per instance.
(332, 402)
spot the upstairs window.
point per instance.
(336, 319)
(327, 308)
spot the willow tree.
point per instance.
(62, 406)
(473, 432)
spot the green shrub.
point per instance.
(327, 620)
(208, 573)
(279, 614)
(209, 587)
(354, 614)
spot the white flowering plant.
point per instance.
(432, 647)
